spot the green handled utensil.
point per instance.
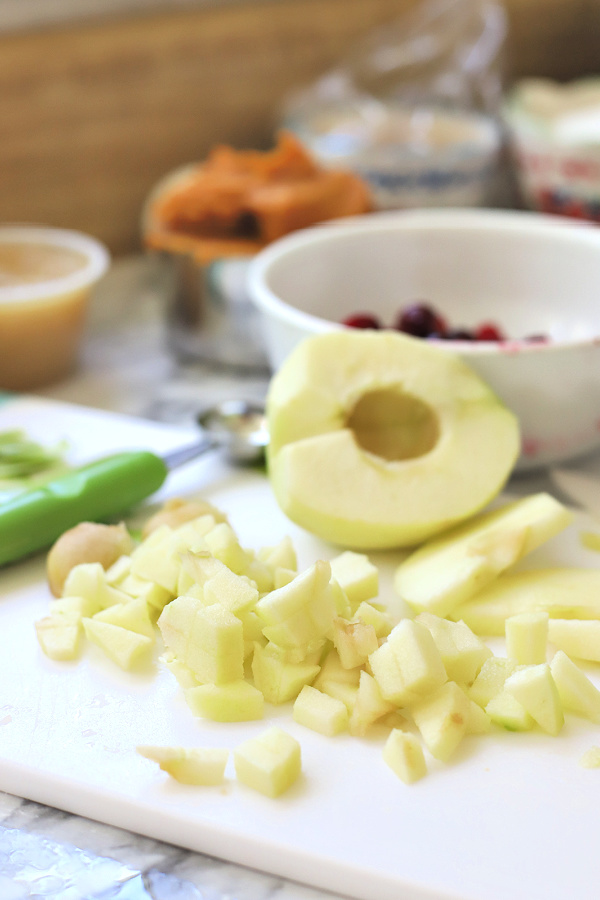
(107, 488)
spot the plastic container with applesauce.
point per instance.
(46, 276)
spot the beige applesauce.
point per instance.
(44, 289)
(29, 263)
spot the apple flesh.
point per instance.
(379, 440)
(269, 763)
(450, 569)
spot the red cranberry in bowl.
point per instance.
(420, 320)
(488, 331)
(363, 320)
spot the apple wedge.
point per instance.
(564, 593)
(452, 568)
(380, 440)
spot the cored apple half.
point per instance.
(379, 440)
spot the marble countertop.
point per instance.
(45, 853)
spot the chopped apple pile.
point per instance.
(243, 629)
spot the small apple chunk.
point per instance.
(462, 652)
(490, 680)
(354, 642)
(442, 719)
(302, 611)
(577, 693)
(320, 712)
(269, 763)
(59, 635)
(236, 701)
(408, 664)
(133, 615)
(277, 680)
(369, 706)
(534, 688)
(506, 711)
(208, 639)
(198, 765)
(527, 637)
(450, 569)
(126, 648)
(381, 440)
(357, 576)
(564, 593)
(578, 638)
(404, 755)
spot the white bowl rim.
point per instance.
(98, 261)
(517, 221)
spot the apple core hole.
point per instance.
(393, 425)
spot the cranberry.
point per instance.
(362, 320)
(488, 331)
(418, 319)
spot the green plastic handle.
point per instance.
(97, 492)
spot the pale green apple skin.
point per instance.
(328, 484)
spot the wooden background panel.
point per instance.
(94, 114)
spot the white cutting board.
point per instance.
(513, 817)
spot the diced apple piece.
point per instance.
(404, 755)
(354, 642)
(341, 601)
(236, 701)
(59, 635)
(462, 652)
(578, 638)
(269, 763)
(320, 712)
(357, 576)
(280, 556)
(277, 680)
(333, 670)
(370, 615)
(454, 567)
(155, 560)
(208, 639)
(343, 691)
(132, 615)
(368, 707)
(282, 576)
(575, 689)
(591, 758)
(153, 593)
(119, 570)
(261, 575)
(300, 612)
(126, 648)
(80, 606)
(224, 545)
(442, 719)
(527, 637)
(88, 580)
(191, 535)
(490, 680)
(564, 593)
(479, 721)
(408, 664)
(534, 688)
(234, 592)
(197, 765)
(506, 711)
(184, 675)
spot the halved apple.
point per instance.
(381, 440)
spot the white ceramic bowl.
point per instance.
(532, 274)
